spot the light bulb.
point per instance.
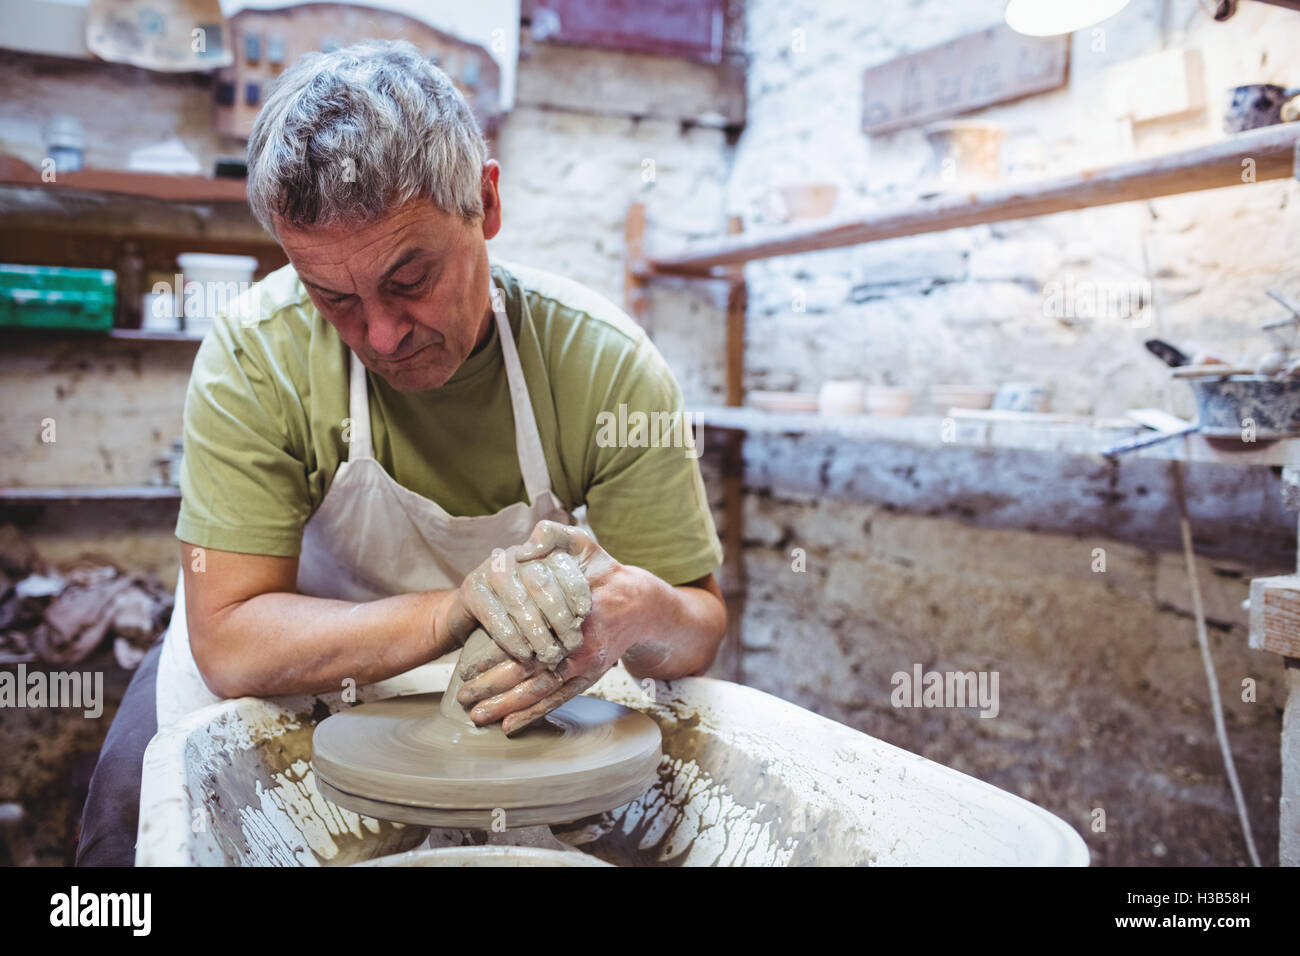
(1045, 18)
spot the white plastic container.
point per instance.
(220, 280)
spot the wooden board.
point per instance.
(964, 74)
(1275, 615)
(694, 29)
(175, 187)
(1267, 153)
(558, 76)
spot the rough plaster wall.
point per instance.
(567, 180)
(115, 408)
(1104, 702)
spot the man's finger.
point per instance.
(551, 536)
(492, 614)
(571, 639)
(469, 669)
(532, 624)
(568, 575)
(495, 680)
(523, 695)
(517, 721)
(529, 619)
(547, 594)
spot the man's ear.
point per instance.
(491, 196)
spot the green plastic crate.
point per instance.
(52, 297)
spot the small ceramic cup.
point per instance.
(1020, 397)
(842, 397)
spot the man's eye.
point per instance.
(338, 300)
(409, 286)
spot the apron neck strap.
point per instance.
(358, 411)
(528, 441)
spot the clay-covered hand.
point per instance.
(623, 601)
(533, 610)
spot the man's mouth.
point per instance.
(406, 359)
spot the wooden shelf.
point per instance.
(105, 493)
(1058, 438)
(165, 186)
(71, 224)
(1217, 165)
(154, 335)
(125, 335)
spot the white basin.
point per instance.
(747, 779)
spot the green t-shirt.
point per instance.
(266, 404)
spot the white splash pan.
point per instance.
(748, 779)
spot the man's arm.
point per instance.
(251, 634)
(693, 621)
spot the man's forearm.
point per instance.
(689, 623)
(283, 643)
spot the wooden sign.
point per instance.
(964, 74)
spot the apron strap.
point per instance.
(528, 441)
(358, 411)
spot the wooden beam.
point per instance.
(1255, 156)
(734, 582)
(737, 304)
(635, 297)
(167, 186)
(1275, 615)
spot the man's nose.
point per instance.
(386, 328)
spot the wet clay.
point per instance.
(556, 586)
(420, 759)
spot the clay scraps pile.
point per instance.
(60, 617)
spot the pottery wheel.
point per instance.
(420, 759)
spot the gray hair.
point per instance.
(351, 134)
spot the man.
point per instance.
(385, 442)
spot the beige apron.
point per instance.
(372, 538)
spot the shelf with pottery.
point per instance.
(1257, 155)
(1061, 434)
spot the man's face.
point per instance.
(408, 293)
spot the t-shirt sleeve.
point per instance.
(243, 479)
(646, 500)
